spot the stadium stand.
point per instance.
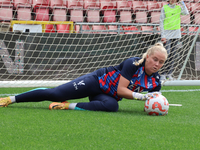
(140, 11)
(146, 29)
(92, 8)
(84, 27)
(76, 10)
(58, 10)
(124, 10)
(132, 28)
(99, 28)
(185, 19)
(154, 10)
(50, 28)
(6, 10)
(108, 9)
(103, 11)
(62, 28)
(193, 30)
(112, 28)
(23, 9)
(41, 9)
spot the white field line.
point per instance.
(191, 90)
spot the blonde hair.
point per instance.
(157, 47)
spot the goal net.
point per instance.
(45, 43)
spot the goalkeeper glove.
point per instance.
(144, 97)
(152, 94)
(139, 96)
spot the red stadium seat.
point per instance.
(195, 10)
(76, 10)
(99, 29)
(154, 10)
(139, 6)
(49, 28)
(188, 5)
(58, 10)
(57, 3)
(153, 6)
(62, 28)
(195, 1)
(145, 29)
(112, 28)
(124, 10)
(183, 31)
(93, 8)
(84, 27)
(5, 1)
(196, 18)
(185, 19)
(41, 9)
(140, 10)
(195, 7)
(155, 17)
(23, 8)
(132, 28)
(158, 30)
(193, 30)
(108, 8)
(141, 17)
(189, 1)
(23, 2)
(6, 12)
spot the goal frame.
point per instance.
(50, 83)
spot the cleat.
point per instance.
(56, 105)
(4, 102)
(65, 102)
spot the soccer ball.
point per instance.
(157, 105)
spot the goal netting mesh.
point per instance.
(48, 43)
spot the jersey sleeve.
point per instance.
(128, 68)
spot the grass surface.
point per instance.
(32, 126)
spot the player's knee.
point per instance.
(54, 95)
(112, 106)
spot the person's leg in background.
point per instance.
(165, 67)
(172, 51)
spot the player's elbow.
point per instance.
(120, 91)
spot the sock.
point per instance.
(72, 106)
(13, 100)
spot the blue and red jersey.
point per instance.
(139, 80)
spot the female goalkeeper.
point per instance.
(105, 86)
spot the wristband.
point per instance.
(137, 96)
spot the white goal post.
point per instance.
(48, 53)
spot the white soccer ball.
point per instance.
(157, 105)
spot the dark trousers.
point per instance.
(171, 47)
(84, 86)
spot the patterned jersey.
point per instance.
(139, 80)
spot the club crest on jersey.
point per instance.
(149, 85)
(79, 83)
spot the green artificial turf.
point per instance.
(33, 126)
